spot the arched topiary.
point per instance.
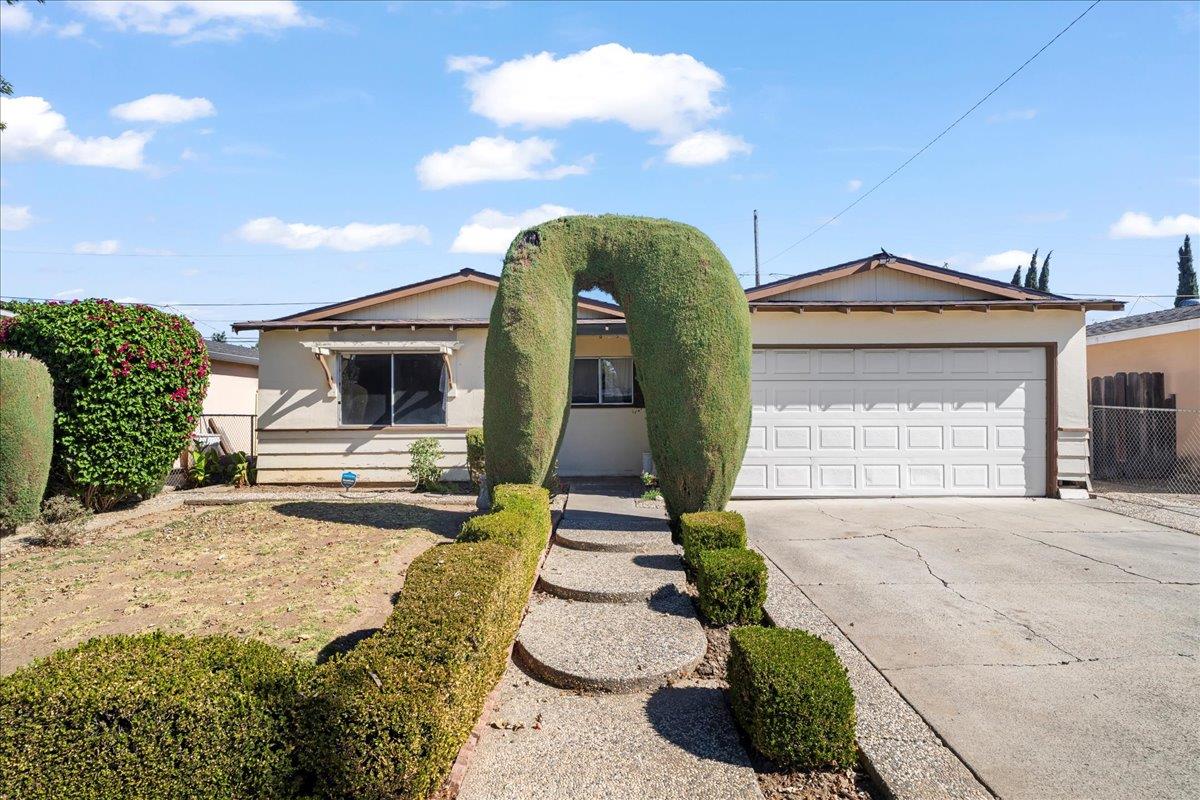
(26, 437)
(689, 329)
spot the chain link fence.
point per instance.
(1146, 450)
(223, 434)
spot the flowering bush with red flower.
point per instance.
(129, 382)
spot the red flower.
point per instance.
(180, 394)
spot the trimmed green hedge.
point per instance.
(476, 464)
(390, 716)
(26, 437)
(689, 330)
(153, 716)
(732, 584)
(710, 530)
(790, 694)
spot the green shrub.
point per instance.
(732, 584)
(521, 497)
(424, 455)
(152, 716)
(791, 695)
(26, 437)
(204, 466)
(237, 469)
(476, 464)
(710, 530)
(129, 382)
(389, 717)
(689, 329)
(62, 522)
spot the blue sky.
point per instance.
(273, 152)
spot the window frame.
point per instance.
(635, 396)
(391, 396)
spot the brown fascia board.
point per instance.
(938, 306)
(429, 284)
(337, 324)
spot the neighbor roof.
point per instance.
(223, 351)
(1149, 320)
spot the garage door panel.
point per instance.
(903, 421)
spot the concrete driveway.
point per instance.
(1052, 645)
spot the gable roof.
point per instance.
(440, 282)
(1000, 289)
(1139, 321)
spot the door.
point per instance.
(906, 422)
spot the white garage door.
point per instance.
(903, 422)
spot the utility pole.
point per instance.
(757, 277)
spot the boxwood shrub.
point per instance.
(129, 382)
(476, 463)
(389, 717)
(791, 696)
(710, 530)
(26, 437)
(152, 715)
(732, 584)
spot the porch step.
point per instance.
(611, 647)
(611, 541)
(608, 577)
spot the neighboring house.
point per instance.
(882, 376)
(1166, 342)
(232, 379)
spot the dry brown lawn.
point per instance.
(311, 577)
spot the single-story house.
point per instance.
(878, 377)
(1164, 342)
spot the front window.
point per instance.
(382, 389)
(603, 382)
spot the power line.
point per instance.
(934, 140)
(291, 254)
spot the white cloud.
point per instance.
(15, 218)
(18, 19)
(1016, 115)
(495, 158)
(706, 147)
(189, 154)
(36, 130)
(1007, 261)
(1133, 225)
(190, 272)
(67, 293)
(352, 238)
(853, 185)
(492, 231)
(199, 20)
(670, 94)
(164, 108)
(103, 248)
(467, 63)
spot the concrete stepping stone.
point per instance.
(609, 646)
(612, 541)
(607, 577)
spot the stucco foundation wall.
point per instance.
(1065, 329)
(1175, 355)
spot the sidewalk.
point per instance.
(593, 706)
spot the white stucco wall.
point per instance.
(232, 388)
(603, 441)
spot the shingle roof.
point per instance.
(1144, 320)
(222, 351)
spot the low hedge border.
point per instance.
(732, 586)
(153, 715)
(710, 530)
(219, 717)
(792, 697)
(390, 716)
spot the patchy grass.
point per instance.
(312, 577)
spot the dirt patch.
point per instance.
(715, 658)
(311, 576)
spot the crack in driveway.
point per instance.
(1107, 563)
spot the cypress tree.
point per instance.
(1187, 274)
(1016, 278)
(1031, 273)
(1044, 275)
